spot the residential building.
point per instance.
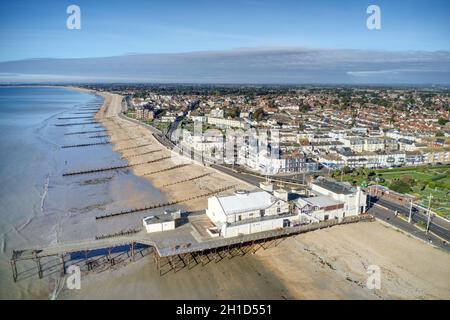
(248, 212)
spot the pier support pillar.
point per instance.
(40, 273)
(14, 269)
(63, 265)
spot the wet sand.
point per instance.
(326, 264)
(126, 134)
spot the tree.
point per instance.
(346, 170)
(408, 180)
(232, 112)
(399, 186)
(258, 115)
(442, 121)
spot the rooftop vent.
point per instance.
(241, 192)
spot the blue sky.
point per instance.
(36, 29)
(254, 41)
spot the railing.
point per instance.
(220, 243)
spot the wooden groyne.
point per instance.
(74, 173)
(133, 147)
(186, 180)
(125, 166)
(167, 169)
(85, 145)
(83, 132)
(142, 154)
(76, 124)
(99, 136)
(71, 118)
(160, 205)
(123, 140)
(150, 161)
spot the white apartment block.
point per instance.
(227, 123)
(333, 200)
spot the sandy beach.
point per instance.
(136, 145)
(326, 264)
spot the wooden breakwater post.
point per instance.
(133, 147)
(72, 118)
(76, 124)
(73, 173)
(142, 154)
(99, 136)
(14, 268)
(160, 205)
(167, 169)
(186, 180)
(63, 264)
(85, 145)
(83, 132)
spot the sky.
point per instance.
(37, 29)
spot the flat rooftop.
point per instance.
(334, 186)
(321, 201)
(243, 201)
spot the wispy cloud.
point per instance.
(247, 65)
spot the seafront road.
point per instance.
(384, 211)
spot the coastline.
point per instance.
(325, 264)
(126, 135)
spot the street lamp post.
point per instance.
(410, 211)
(429, 212)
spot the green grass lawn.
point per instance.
(419, 182)
(162, 126)
(131, 114)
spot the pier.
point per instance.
(169, 249)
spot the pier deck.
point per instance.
(184, 243)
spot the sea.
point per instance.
(40, 128)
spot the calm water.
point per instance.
(28, 148)
(38, 206)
